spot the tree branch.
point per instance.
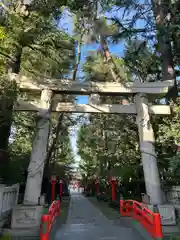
(5, 55)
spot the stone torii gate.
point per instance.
(49, 90)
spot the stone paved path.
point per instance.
(86, 222)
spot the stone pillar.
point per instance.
(39, 151)
(149, 158)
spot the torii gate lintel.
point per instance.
(141, 108)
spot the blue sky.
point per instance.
(116, 49)
(66, 24)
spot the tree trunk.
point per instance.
(162, 15)
(78, 59)
(14, 63)
(112, 65)
(109, 59)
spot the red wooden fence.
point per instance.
(47, 220)
(149, 220)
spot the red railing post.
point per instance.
(48, 219)
(134, 210)
(44, 228)
(128, 208)
(121, 205)
(158, 234)
(143, 213)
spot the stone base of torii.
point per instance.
(29, 214)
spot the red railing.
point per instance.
(149, 220)
(47, 220)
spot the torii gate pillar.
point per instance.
(149, 158)
(39, 151)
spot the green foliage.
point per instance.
(175, 238)
(2, 33)
(167, 139)
(34, 46)
(96, 69)
(8, 91)
(23, 128)
(175, 165)
(64, 153)
(106, 151)
(6, 237)
(43, 43)
(142, 61)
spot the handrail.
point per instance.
(149, 220)
(47, 220)
(8, 199)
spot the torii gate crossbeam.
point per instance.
(141, 108)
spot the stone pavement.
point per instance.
(86, 222)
